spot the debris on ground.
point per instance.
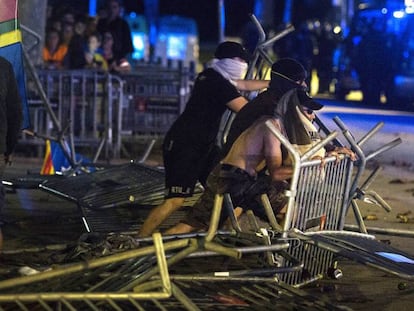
(370, 217)
(405, 217)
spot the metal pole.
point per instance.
(92, 7)
(385, 231)
(287, 14)
(221, 20)
(42, 94)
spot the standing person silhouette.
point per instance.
(189, 147)
(119, 28)
(11, 117)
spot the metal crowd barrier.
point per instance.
(85, 105)
(320, 197)
(116, 282)
(320, 204)
(317, 201)
(140, 279)
(154, 97)
(93, 108)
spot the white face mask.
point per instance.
(230, 68)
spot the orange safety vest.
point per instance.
(57, 56)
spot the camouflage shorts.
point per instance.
(245, 192)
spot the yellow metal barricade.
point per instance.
(116, 282)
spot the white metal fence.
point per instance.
(94, 108)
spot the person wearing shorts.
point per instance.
(245, 191)
(189, 147)
(241, 174)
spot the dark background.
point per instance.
(205, 12)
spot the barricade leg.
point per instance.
(269, 213)
(212, 231)
(259, 235)
(228, 203)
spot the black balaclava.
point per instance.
(285, 74)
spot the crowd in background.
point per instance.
(77, 41)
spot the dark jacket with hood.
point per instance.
(11, 114)
(262, 105)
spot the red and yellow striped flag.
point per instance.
(48, 167)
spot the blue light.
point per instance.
(356, 40)
(398, 14)
(92, 7)
(396, 257)
(138, 40)
(409, 3)
(176, 46)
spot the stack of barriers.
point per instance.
(141, 279)
(319, 200)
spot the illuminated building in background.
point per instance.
(139, 33)
(177, 40)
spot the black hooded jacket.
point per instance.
(262, 105)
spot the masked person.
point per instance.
(255, 161)
(189, 147)
(286, 74)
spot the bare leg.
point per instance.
(179, 228)
(158, 214)
(238, 211)
(281, 216)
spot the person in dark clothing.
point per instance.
(327, 42)
(286, 74)
(119, 29)
(373, 63)
(114, 65)
(11, 117)
(74, 58)
(191, 141)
